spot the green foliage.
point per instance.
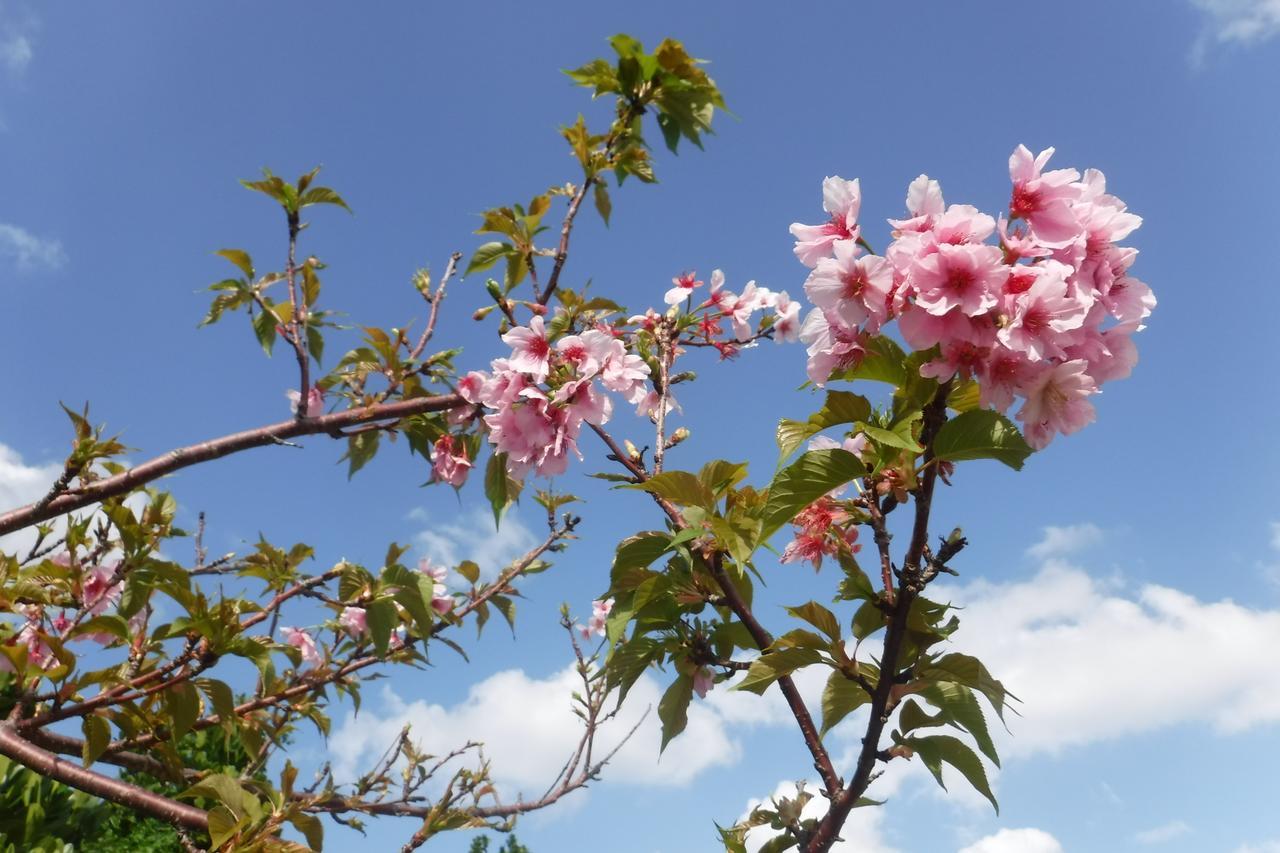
(480, 844)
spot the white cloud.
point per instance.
(21, 484)
(1092, 664)
(1161, 834)
(863, 832)
(1060, 541)
(528, 730)
(1016, 841)
(1272, 846)
(27, 251)
(15, 53)
(1242, 22)
(473, 537)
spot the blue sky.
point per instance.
(124, 129)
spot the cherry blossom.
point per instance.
(304, 643)
(531, 351)
(354, 620)
(315, 401)
(684, 286)
(842, 200)
(449, 461)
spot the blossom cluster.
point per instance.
(100, 590)
(1044, 314)
(538, 398)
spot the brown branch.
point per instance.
(562, 250)
(809, 731)
(435, 306)
(910, 586)
(206, 451)
(26, 753)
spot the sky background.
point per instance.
(1126, 584)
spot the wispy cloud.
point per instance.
(1161, 834)
(1242, 22)
(26, 251)
(1026, 840)
(472, 536)
(528, 729)
(17, 28)
(1060, 541)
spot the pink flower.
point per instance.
(1044, 318)
(449, 461)
(586, 353)
(315, 401)
(530, 349)
(354, 620)
(684, 287)
(599, 618)
(98, 591)
(842, 200)
(582, 402)
(1044, 199)
(703, 682)
(303, 642)
(853, 444)
(719, 297)
(1057, 402)
(786, 322)
(751, 300)
(441, 600)
(967, 277)
(832, 345)
(624, 373)
(855, 288)
(924, 203)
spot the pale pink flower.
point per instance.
(583, 402)
(855, 288)
(586, 353)
(303, 642)
(832, 345)
(1044, 318)
(1057, 401)
(855, 444)
(786, 322)
(751, 299)
(441, 600)
(703, 682)
(599, 617)
(39, 653)
(98, 591)
(684, 287)
(1044, 199)
(842, 200)
(647, 406)
(718, 296)
(449, 462)
(924, 203)
(471, 386)
(315, 401)
(968, 277)
(354, 620)
(530, 349)
(1004, 375)
(961, 224)
(624, 373)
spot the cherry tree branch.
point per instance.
(205, 451)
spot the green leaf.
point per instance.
(958, 706)
(382, 619)
(499, 488)
(964, 396)
(819, 617)
(487, 255)
(628, 661)
(310, 827)
(603, 205)
(240, 258)
(679, 487)
(719, 474)
(981, 434)
(969, 671)
(899, 437)
(469, 570)
(936, 749)
(182, 703)
(361, 447)
(884, 362)
(264, 326)
(802, 482)
(771, 666)
(641, 550)
(840, 697)
(839, 407)
(322, 195)
(97, 736)
(673, 710)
